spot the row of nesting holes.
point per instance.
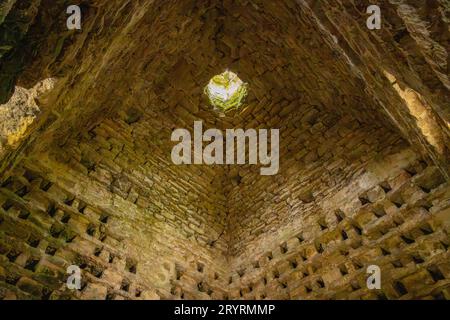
(20, 190)
(97, 271)
(56, 230)
(425, 229)
(202, 286)
(380, 212)
(433, 270)
(30, 264)
(340, 216)
(320, 247)
(408, 239)
(398, 201)
(91, 230)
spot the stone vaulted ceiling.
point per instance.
(158, 57)
(91, 112)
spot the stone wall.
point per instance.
(349, 197)
(363, 117)
(412, 47)
(138, 226)
(320, 154)
(395, 215)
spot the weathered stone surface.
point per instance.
(363, 118)
(19, 113)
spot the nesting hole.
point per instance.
(283, 248)
(343, 270)
(24, 214)
(22, 192)
(51, 210)
(125, 286)
(56, 230)
(33, 241)
(435, 273)
(104, 218)
(45, 185)
(340, 215)
(65, 218)
(13, 255)
(91, 229)
(400, 288)
(50, 251)
(7, 205)
(386, 187)
(30, 176)
(31, 264)
(131, 265)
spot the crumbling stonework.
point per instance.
(18, 115)
(364, 167)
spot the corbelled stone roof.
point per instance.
(364, 135)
